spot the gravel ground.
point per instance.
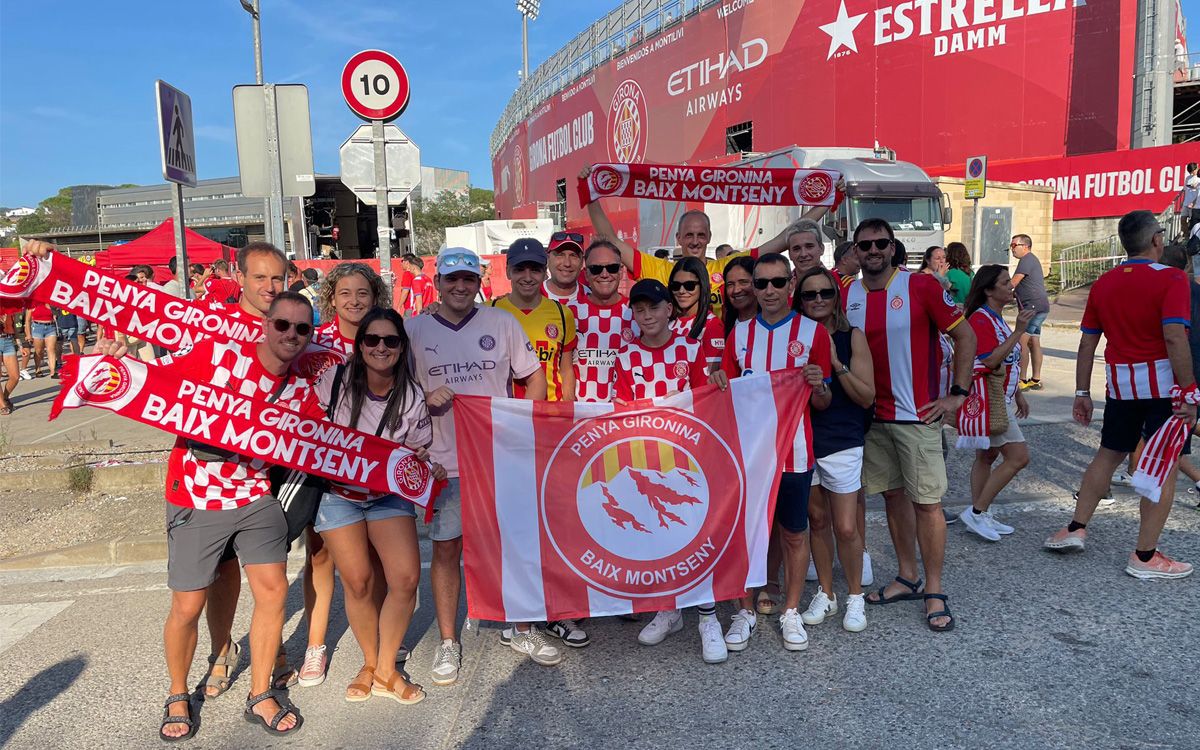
(32, 521)
(29, 459)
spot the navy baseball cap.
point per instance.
(650, 290)
(526, 250)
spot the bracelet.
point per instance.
(1082, 394)
(844, 371)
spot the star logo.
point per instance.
(841, 31)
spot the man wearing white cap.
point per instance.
(471, 350)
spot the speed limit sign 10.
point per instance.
(375, 85)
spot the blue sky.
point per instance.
(77, 77)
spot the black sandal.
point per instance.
(272, 726)
(943, 612)
(916, 591)
(169, 719)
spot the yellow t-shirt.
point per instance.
(551, 329)
(647, 266)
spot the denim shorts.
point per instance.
(334, 512)
(67, 333)
(1035, 326)
(8, 346)
(446, 525)
(43, 330)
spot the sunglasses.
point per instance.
(810, 295)
(466, 260)
(880, 244)
(281, 325)
(612, 269)
(371, 340)
(564, 236)
(779, 282)
(689, 286)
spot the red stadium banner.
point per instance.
(140, 311)
(222, 418)
(577, 510)
(753, 186)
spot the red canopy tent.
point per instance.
(157, 247)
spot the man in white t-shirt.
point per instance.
(478, 351)
(1189, 211)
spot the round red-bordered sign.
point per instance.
(375, 85)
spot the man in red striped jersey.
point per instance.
(1143, 309)
(603, 323)
(902, 314)
(778, 338)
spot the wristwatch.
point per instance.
(842, 371)
(958, 390)
(1078, 394)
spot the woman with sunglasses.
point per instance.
(350, 291)
(996, 349)
(691, 309)
(839, 433)
(376, 392)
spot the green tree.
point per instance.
(53, 212)
(432, 216)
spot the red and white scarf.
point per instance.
(756, 186)
(1163, 448)
(974, 416)
(222, 418)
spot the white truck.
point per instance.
(877, 185)
(493, 236)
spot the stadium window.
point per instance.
(560, 199)
(671, 12)
(690, 7)
(739, 138)
(650, 25)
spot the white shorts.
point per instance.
(841, 472)
(1013, 434)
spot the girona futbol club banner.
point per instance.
(222, 418)
(575, 510)
(142, 312)
(756, 186)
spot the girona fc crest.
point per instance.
(643, 522)
(973, 406)
(19, 278)
(627, 122)
(108, 381)
(897, 302)
(813, 188)
(681, 369)
(551, 331)
(518, 176)
(606, 180)
(412, 477)
(796, 348)
(627, 334)
(314, 361)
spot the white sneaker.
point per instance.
(819, 608)
(664, 623)
(447, 658)
(978, 524)
(1000, 528)
(811, 575)
(868, 576)
(533, 643)
(1123, 478)
(712, 644)
(855, 619)
(741, 627)
(792, 630)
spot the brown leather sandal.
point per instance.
(407, 695)
(364, 688)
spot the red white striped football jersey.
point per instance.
(1129, 305)
(600, 332)
(645, 372)
(330, 337)
(991, 330)
(712, 337)
(755, 346)
(579, 295)
(902, 322)
(238, 480)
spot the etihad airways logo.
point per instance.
(959, 25)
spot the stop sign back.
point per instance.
(375, 85)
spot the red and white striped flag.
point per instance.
(575, 510)
(1163, 448)
(974, 416)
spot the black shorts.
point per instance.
(1128, 421)
(791, 502)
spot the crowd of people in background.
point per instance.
(890, 357)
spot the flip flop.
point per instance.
(272, 726)
(915, 592)
(943, 612)
(169, 719)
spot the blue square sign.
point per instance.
(177, 143)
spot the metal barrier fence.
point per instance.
(1080, 265)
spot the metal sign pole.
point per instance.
(181, 259)
(384, 228)
(978, 233)
(274, 222)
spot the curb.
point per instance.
(66, 445)
(123, 478)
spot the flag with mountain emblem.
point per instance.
(575, 510)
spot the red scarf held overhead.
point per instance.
(974, 416)
(222, 418)
(756, 186)
(1163, 448)
(142, 312)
